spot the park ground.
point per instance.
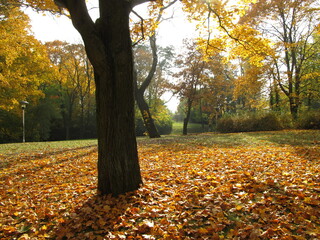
(263, 185)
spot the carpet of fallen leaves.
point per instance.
(190, 191)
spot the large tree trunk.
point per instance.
(108, 46)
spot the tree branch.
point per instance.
(88, 30)
(141, 26)
(138, 2)
(148, 79)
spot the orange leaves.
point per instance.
(37, 193)
(190, 191)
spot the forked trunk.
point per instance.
(108, 46)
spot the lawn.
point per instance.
(263, 185)
(192, 128)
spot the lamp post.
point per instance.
(23, 107)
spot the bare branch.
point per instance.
(138, 2)
(157, 20)
(148, 79)
(164, 8)
(141, 26)
(209, 36)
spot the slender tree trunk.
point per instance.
(293, 107)
(139, 93)
(108, 46)
(146, 116)
(201, 116)
(67, 122)
(187, 118)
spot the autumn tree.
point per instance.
(24, 65)
(218, 88)
(311, 88)
(108, 46)
(24, 71)
(191, 72)
(290, 25)
(109, 49)
(142, 87)
(248, 85)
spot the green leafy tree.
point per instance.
(74, 79)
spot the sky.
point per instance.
(170, 32)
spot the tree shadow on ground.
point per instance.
(37, 167)
(99, 217)
(9, 160)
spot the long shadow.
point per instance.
(98, 216)
(38, 168)
(37, 156)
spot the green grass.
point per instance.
(293, 138)
(16, 148)
(272, 138)
(192, 128)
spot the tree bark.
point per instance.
(108, 46)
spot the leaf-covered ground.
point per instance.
(197, 187)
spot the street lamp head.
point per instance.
(24, 104)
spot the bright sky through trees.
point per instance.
(171, 31)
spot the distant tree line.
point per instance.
(57, 80)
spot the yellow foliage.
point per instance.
(24, 65)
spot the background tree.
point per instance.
(218, 91)
(155, 89)
(140, 91)
(74, 80)
(25, 71)
(191, 71)
(290, 25)
(248, 86)
(24, 65)
(311, 88)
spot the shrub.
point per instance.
(140, 128)
(249, 122)
(161, 116)
(309, 120)
(225, 124)
(164, 126)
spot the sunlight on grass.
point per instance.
(14, 148)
